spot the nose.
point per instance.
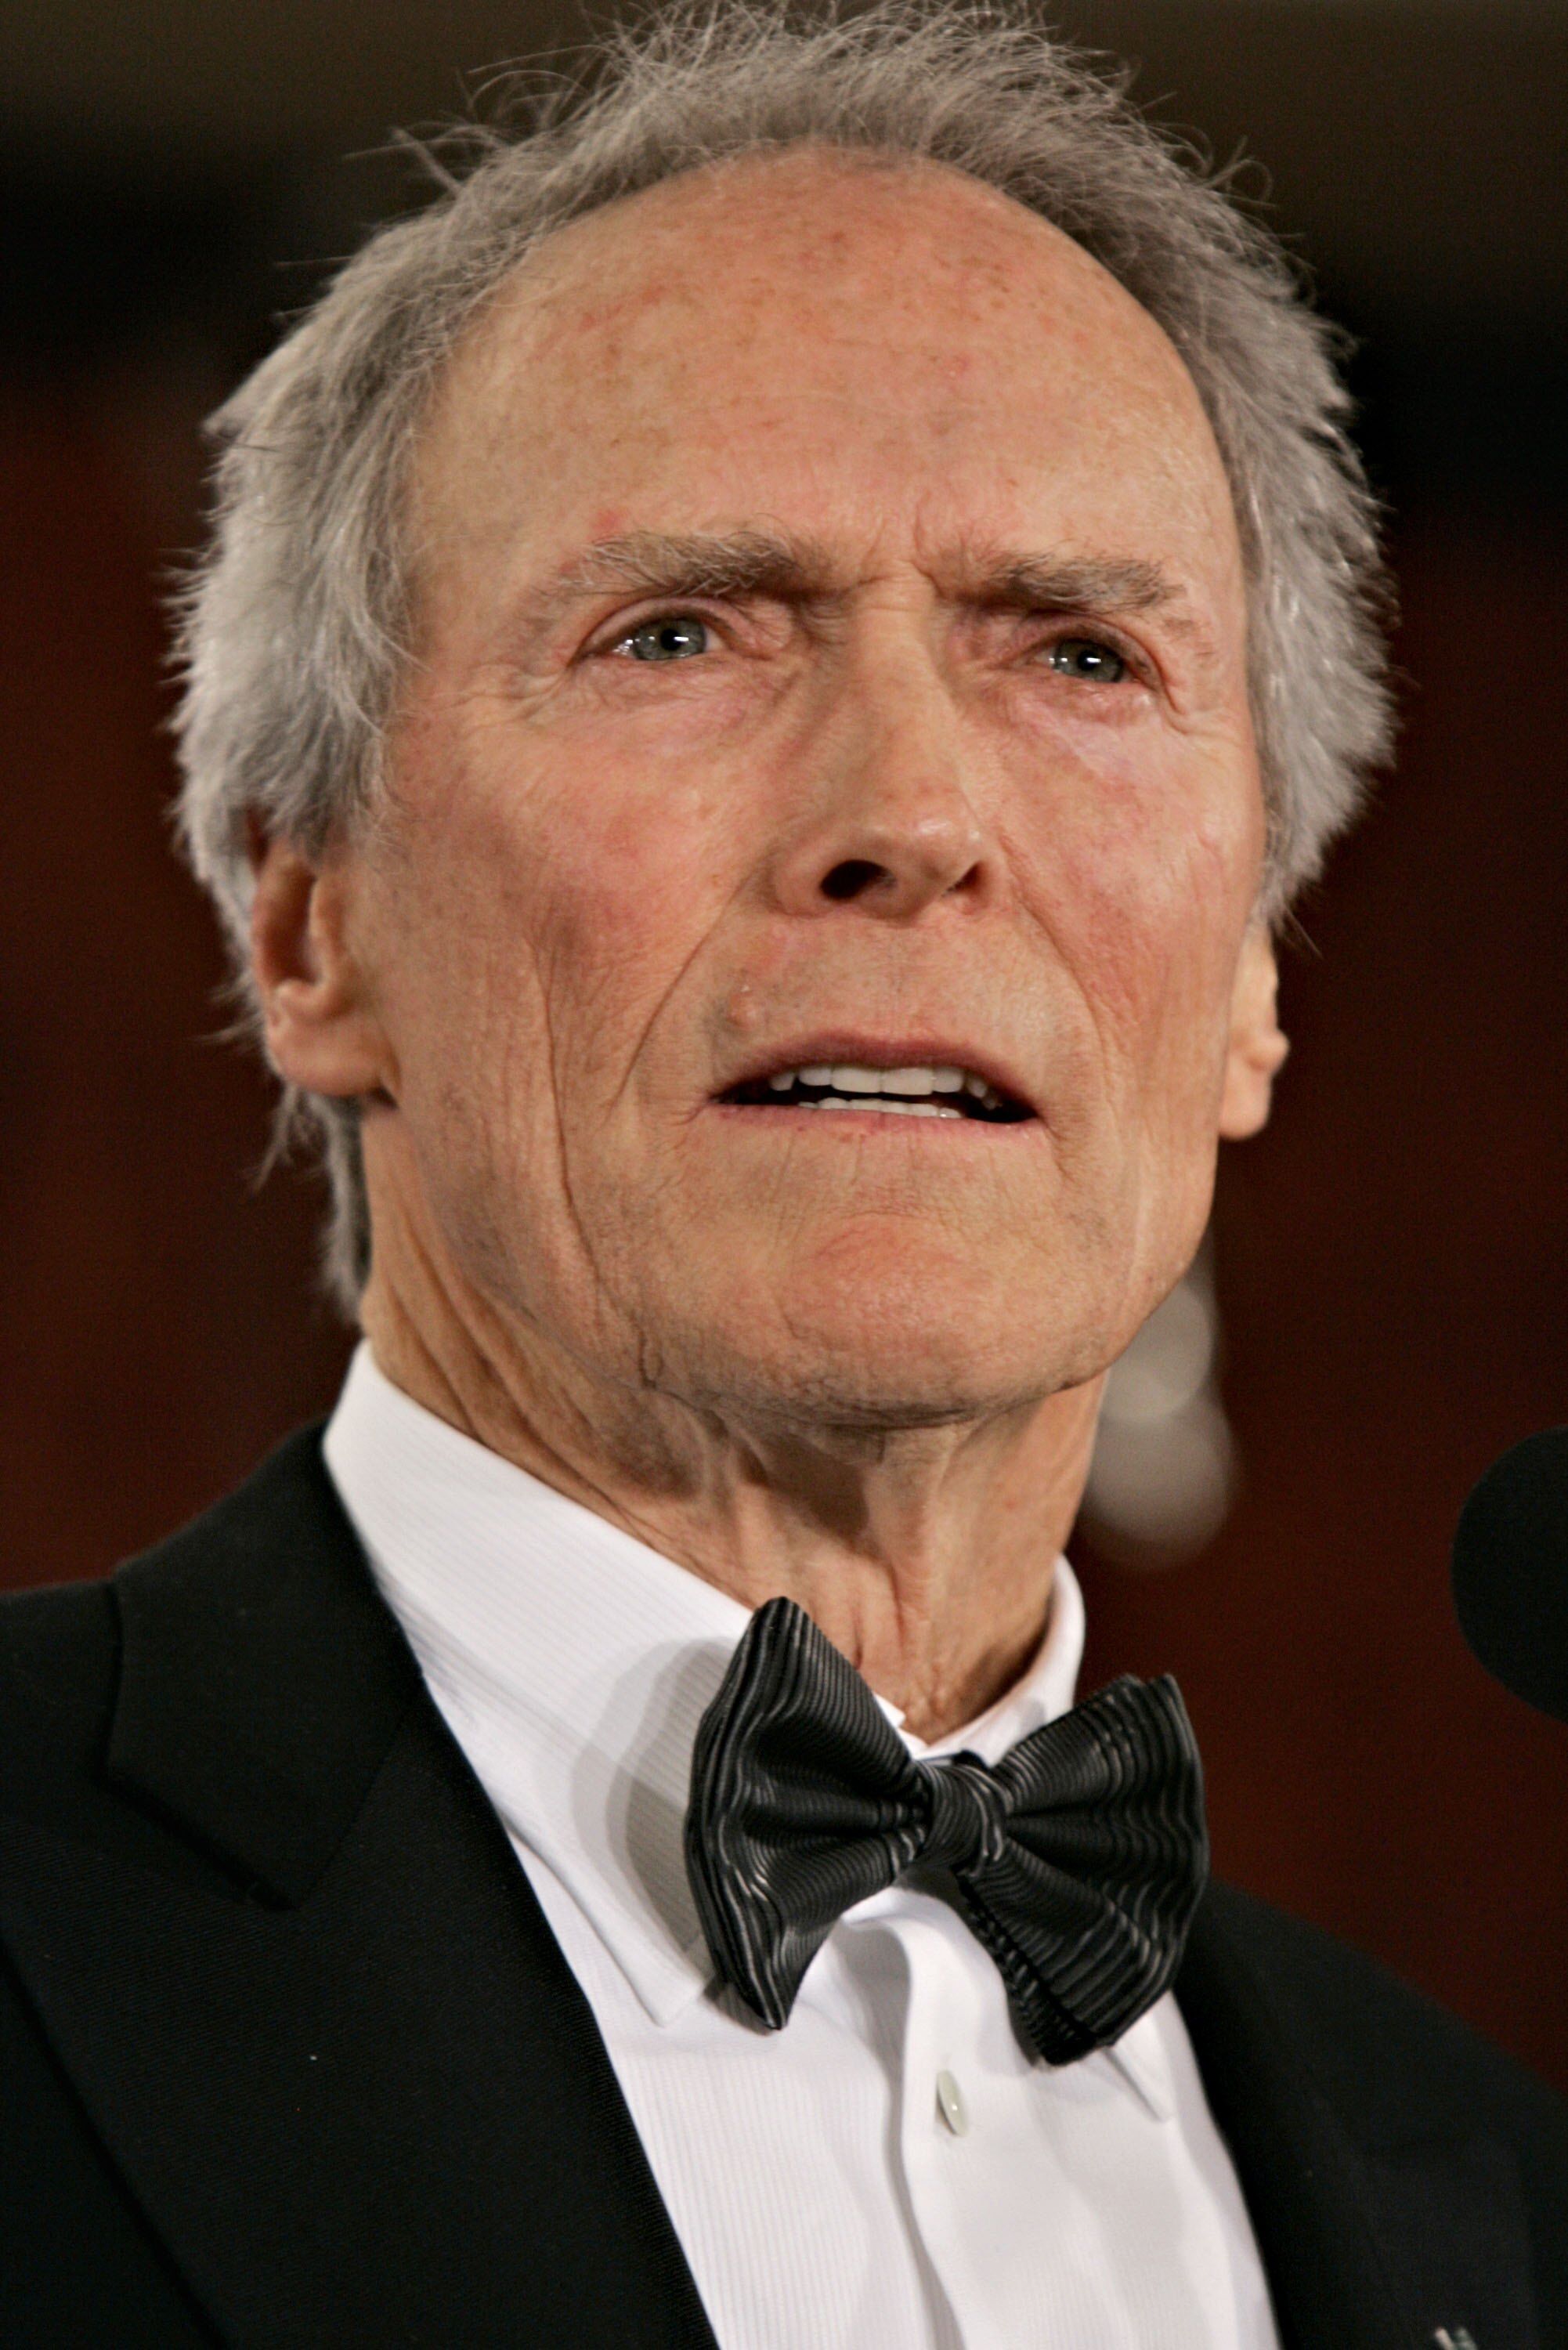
(891, 825)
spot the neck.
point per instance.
(926, 1555)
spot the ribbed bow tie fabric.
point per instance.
(1078, 1859)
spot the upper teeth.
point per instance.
(853, 1078)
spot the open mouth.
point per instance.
(917, 1091)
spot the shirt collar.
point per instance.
(573, 1664)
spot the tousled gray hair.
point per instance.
(295, 629)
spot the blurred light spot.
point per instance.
(1164, 1472)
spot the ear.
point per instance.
(1257, 1047)
(321, 1034)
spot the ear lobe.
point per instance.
(319, 1034)
(1258, 1047)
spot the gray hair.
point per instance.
(296, 626)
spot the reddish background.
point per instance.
(1390, 1255)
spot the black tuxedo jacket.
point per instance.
(290, 2058)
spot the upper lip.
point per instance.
(843, 1044)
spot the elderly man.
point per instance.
(766, 667)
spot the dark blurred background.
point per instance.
(1390, 1261)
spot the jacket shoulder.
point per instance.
(1378, 2140)
(62, 1647)
(58, 1663)
(1384, 2054)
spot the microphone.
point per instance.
(1511, 1571)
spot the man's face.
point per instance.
(832, 655)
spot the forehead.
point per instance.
(838, 326)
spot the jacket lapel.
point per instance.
(1373, 2237)
(350, 2078)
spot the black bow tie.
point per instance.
(1078, 1859)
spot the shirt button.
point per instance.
(950, 2103)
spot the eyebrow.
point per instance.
(799, 570)
(1072, 583)
(661, 563)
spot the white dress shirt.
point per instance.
(892, 2170)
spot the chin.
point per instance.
(901, 1345)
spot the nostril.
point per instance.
(853, 878)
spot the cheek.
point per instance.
(559, 904)
(1145, 874)
(627, 883)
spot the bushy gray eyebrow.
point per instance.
(695, 564)
(1093, 584)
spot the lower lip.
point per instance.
(860, 1122)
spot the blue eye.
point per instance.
(666, 641)
(1088, 657)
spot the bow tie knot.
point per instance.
(1077, 1860)
(970, 1814)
